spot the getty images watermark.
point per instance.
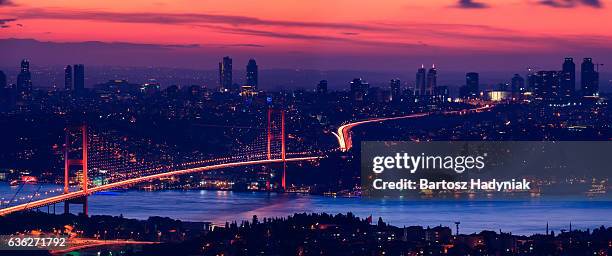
(458, 164)
(475, 169)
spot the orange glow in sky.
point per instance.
(349, 27)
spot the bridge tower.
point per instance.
(68, 162)
(271, 137)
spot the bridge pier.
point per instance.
(80, 200)
(68, 162)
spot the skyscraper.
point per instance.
(568, 78)
(225, 73)
(79, 78)
(472, 81)
(470, 90)
(24, 79)
(2, 80)
(589, 80)
(396, 89)
(546, 85)
(432, 77)
(440, 94)
(420, 84)
(518, 84)
(359, 89)
(252, 74)
(68, 78)
(322, 87)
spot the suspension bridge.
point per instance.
(106, 164)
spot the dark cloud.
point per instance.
(4, 22)
(310, 37)
(571, 3)
(6, 3)
(471, 4)
(247, 45)
(132, 45)
(184, 19)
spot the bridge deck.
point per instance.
(128, 182)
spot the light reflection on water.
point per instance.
(519, 217)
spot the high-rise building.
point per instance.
(24, 79)
(518, 84)
(252, 74)
(3, 82)
(568, 78)
(359, 89)
(68, 78)
(472, 81)
(432, 77)
(440, 94)
(545, 85)
(396, 89)
(421, 81)
(225, 73)
(589, 80)
(79, 78)
(322, 87)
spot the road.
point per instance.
(344, 132)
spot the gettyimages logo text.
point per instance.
(413, 163)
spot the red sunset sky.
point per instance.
(326, 34)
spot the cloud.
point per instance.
(471, 4)
(4, 22)
(6, 3)
(311, 37)
(571, 3)
(183, 19)
(246, 45)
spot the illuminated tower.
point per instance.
(589, 80)
(79, 78)
(68, 78)
(252, 74)
(432, 77)
(420, 81)
(396, 90)
(568, 78)
(225, 73)
(24, 79)
(518, 84)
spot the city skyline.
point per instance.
(565, 76)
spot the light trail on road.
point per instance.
(344, 132)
